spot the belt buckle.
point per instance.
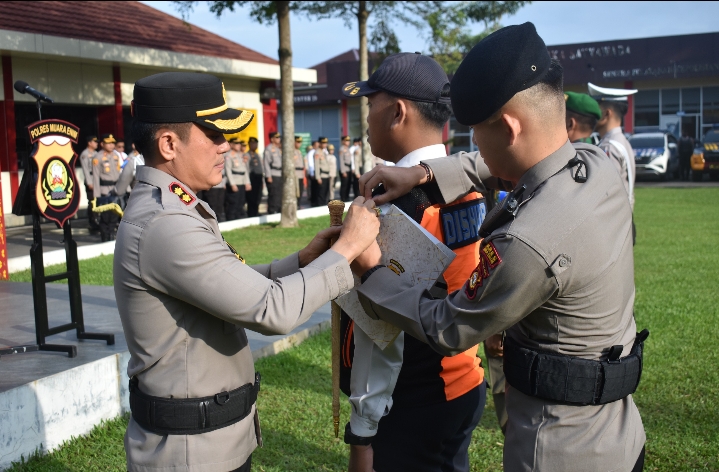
(222, 398)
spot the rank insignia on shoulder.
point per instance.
(181, 193)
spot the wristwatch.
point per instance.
(366, 275)
(354, 440)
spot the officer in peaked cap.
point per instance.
(254, 162)
(106, 169)
(272, 162)
(614, 105)
(556, 266)
(86, 162)
(582, 115)
(185, 296)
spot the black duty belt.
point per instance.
(573, 380)
(107, 183)
(238, 173)
(192, 415)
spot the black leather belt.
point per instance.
(192, 415)
(107, 183)
(572, 380)
(238, 173)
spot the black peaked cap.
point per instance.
(407, 75)
(503, 64)
(183, 97)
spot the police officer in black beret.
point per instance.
(556, 266)
(185, 296)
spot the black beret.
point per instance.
(503, 64)
(184, 97)
(406, 75)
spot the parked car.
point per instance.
(706, 157)
(656, 154)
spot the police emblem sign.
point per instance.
(56, 191)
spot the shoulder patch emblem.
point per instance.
(489, 258)
(181, 193)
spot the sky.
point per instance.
(314, 41)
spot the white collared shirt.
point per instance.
(422, 154)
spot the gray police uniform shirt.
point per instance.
(558, 278)
(185, 301)
(272, 161)
(321, 164)
(106, 168)
(236, 168)
(617, 147)
(299, 162)
(345, 159)
(254, 162)
(86, 164)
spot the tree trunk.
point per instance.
(287, 108)
(362, 15)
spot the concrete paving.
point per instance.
(17, 327)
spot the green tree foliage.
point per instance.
(448, 23)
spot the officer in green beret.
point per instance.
(185, 296)
(582, 115)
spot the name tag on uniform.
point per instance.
(461, 222)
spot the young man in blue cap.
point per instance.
(413, 408)
(556, 269)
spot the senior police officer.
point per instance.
(185, 296)
(272, 161)
(254, 161)
(582, 115)
(556, 268)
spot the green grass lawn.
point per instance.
(677, 271)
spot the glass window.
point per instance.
(690, 100)
(639, 141)
(711, 105)
(670, 101)
(711, 137)
(646, 108)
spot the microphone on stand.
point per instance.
(23, 87)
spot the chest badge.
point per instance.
(181, 193)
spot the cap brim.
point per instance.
(229, 121)
(358, 89)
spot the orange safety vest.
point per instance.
(456, 225)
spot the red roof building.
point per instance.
(88, 55)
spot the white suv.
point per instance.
(656, 154)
